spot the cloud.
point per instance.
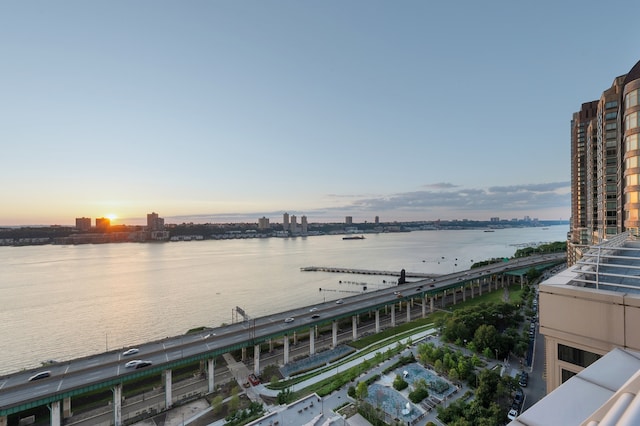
(441, 185)
(532, 197)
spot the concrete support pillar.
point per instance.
(464, 294)
(66, 408)
(444, 296)
(472, 288)
(424, 306)
(480, 286)
(386, 311)
(400, 306)
(521, 281)
(431, 305)
(377, 321)
(354, 326)
(243, 357)
(454, 292)
(270, 345)
(334, 333)
(256, 360)
(3, 421)
(117, 405)
(408, 313)
(54, 408)
(295, 338)
(286, 348)
(211, 369)
(168, 398)
(312, 341)
(393, 315)
(412, 303)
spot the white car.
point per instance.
(130, 352)
(513, 413)
(339, 302)
(208, 336)
(133, 363)
(290, 319)
(313, 309)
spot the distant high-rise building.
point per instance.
(494, 219)
(103, 223)
(304, 225)
(376, 220)
(285, 222)
(154, 222)
(263, 223)
(83, 223)
(293, 226)
(348, 220)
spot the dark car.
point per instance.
(143, 364)
(518, 399)
(40, 375)
(524, 379)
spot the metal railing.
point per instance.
(613, 265)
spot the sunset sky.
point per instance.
(212, 111)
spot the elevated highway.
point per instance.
(107, 370)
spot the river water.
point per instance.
(63, 302)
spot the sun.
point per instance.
(111, 216)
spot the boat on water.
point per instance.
(354, 237)
(489, 230)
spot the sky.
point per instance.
(217, 111)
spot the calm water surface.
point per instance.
(62, 302)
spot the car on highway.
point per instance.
(290, 319)
(130, 352)
(313, 309)
(133, 363)
(208, 336)
(40, 375)
(143, 364)
(339, 302)
(314, 316)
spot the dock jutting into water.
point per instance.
(365, 272)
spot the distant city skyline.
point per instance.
(241, 110)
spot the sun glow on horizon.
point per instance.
(111, 216)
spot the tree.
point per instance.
(362, 391)
(216, 404)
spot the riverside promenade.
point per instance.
(313, 410)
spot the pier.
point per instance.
(365, 272)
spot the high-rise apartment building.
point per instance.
(83, 223)
(348, 220)
(154, 222)
(605, 169)
(103, 223)
(293, 226)
(263, 223)
(285, 222)
(304, 225)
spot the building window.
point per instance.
(631, 142)
(576, 356)
(612, 104)
(611, 126)
(631, 121)
(610, 115)
(631, 99)
(566, 375)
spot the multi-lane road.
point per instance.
(107, 369)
